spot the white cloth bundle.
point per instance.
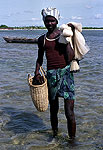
(79, 46)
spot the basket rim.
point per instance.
(45, 82)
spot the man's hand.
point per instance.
(38, 79)
(70, 25)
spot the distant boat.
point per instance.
(20, 40)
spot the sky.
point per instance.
(28, 12)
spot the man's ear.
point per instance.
(57, 21)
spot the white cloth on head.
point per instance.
(76, 40)
(50, 12)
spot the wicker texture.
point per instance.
(39, 93)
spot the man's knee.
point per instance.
(69, 110)
(70, 115)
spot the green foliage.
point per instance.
(25, 27)
(3, 26)
(92, 27)
(38, 27)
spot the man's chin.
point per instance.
(50, 29)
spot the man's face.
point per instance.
(50, 23)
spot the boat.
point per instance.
(20, 40)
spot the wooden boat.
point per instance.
(20, 40)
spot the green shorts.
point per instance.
(61, 82)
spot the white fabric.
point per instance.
(80, 48)
(78, 26)
(66, 34)
(50, 12)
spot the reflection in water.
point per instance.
(21, 121)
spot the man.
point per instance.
(60, 79)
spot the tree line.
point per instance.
(38, 27)
(24, 27)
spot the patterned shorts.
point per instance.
(61, 82)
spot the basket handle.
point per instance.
(43, 72)
(29, 75)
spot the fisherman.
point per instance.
(60, 79)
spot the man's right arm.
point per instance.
(40, 54)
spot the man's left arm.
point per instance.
(70, 53)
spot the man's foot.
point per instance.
(72, 138)
(55, 133)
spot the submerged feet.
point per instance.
(55, 133)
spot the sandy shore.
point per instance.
(39, 29)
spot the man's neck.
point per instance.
(53, 34)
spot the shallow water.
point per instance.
(22, 127)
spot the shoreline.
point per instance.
(20, 29)
(92, 29)
(37, 29)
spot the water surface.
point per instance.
(22, 127)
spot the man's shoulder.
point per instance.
(41, 38)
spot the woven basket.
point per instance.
(39, 93)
